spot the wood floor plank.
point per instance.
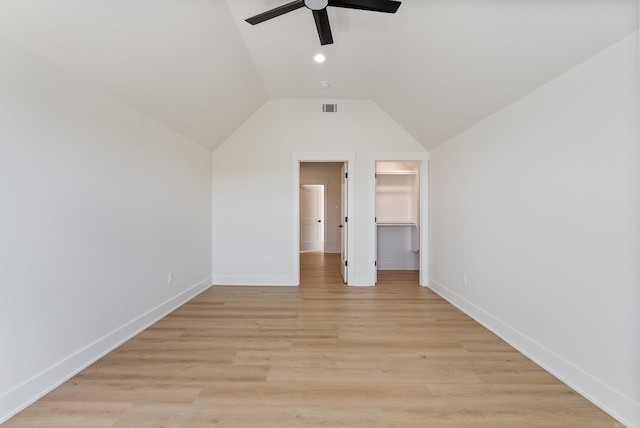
(322, 354)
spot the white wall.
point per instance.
(394, 248)
(327, 173)
(98, 204)
(252, 184)
(395, 198)
(539, 205)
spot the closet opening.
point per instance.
(397, 215)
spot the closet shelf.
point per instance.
(397, 223)
(396, 172)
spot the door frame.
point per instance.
(422, 158)
(349, 159)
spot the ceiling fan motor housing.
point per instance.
(320, 16)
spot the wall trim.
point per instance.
(31, 390)
(398, 266)
(254, 280)
(599, 393)
(361, 281)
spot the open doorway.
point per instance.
(400, 214)
(326, 244)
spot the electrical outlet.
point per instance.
(169, 277)
(465, 279)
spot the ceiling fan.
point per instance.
(319, 9)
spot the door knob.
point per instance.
(319, 221)
(340, 225)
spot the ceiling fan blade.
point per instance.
(388, 6)
(322, 24)
(275, 12)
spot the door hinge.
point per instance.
(375, 219)
(346, 175)
(375, 263)
(346, 219)
(346, 263)
(375, 175)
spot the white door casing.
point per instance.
(348, 158)
(375, 236)
(423, 159)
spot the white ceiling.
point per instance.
(437, 66)
(181, 62)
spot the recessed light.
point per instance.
(319, 58)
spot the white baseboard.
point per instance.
(332, 250)
(25, 394)
(262, 280)
(254, 280)
(599, 393)
(311, 246)
(398, 265)
(360, 281)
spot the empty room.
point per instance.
(354, 213)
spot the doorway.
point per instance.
(397, 215)
(322, 209)
(330, 171)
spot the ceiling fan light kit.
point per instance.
(319, 9)
(316, 4)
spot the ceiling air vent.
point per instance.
(329, 108)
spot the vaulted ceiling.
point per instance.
(436, 66)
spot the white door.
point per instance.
(311, 217)
(375, 223)
(344, 223)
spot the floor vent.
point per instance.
(329, 108)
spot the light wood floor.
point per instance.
(321, 354)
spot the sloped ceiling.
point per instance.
(181, 62)
(456, 62)
(437, 66)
